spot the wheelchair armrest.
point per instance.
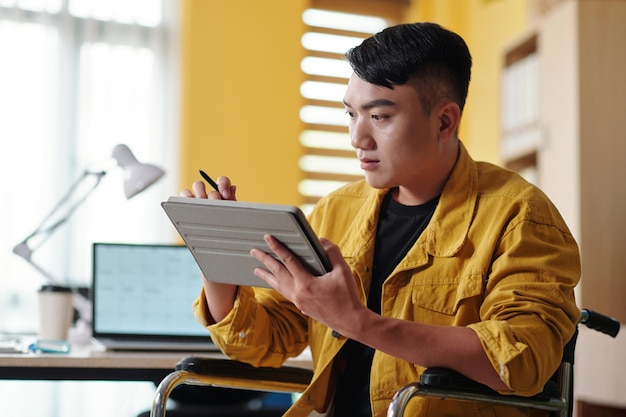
(445, 383)
(228, 373)
(447, 379)
(239, 372)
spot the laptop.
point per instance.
(142, 296)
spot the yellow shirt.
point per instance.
(496, 257)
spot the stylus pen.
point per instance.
(209, 180)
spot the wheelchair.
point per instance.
(556, 397)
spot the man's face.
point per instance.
(396, 143)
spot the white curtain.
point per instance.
(78, 77)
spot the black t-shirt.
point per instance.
(399, 226)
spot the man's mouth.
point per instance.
(368, 164)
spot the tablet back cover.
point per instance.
(220, 234)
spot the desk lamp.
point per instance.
(137, 177)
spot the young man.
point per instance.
(438, 260)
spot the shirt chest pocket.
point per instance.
(438, 299)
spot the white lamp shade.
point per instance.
(137, 176)
(140, 176)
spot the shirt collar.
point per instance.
(448, 229)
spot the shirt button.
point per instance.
(242, 335)
(335, 334)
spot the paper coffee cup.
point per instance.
(55, 312)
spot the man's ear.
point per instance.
(449, 118)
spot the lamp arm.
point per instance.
(80, 302)
(25, 251)
(138, 177)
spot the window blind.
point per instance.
(328, 161)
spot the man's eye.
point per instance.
(350, 114)
(378, 117)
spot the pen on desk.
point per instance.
(209, 180)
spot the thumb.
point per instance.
(333, 252)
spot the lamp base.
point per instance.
(80, 333)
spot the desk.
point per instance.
(91, 362)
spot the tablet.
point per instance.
(221, 233)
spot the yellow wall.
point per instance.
(240, 95)
(241, 76)
(486, 26)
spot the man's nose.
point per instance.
(360, 135)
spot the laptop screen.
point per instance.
(145, 290)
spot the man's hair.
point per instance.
(435, 60)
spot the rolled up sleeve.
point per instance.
(262, 329)
(530, 312)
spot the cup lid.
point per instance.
(54, 288)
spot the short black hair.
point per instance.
(437, 60)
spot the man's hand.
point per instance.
(220, 297)
(332, 298)
(198, 190)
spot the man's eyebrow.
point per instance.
(374, 103)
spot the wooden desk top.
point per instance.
(91, 356)
(92, 362)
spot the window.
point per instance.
(78, 77)
(522, 133)
(329, 160)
